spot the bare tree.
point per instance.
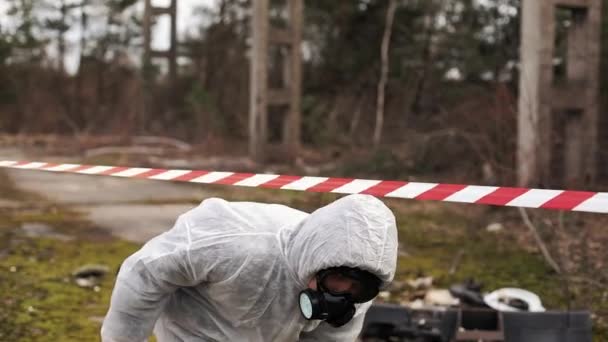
(386, 40)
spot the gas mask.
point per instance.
(334, 307)
(335, 310)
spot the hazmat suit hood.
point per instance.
(354, 231)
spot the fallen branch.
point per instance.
(124, 150)
(456, 262)
(539, 241)
(178, 144)
(588, 281)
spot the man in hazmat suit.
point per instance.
(242, 271)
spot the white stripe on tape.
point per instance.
(411, 190)
(62, 167)
(7, 163)
(598, 204)
(132, 172)
(470, 194)
(170, 174)
(256, 180)
(356, 186)
(32, 165)
(95, 169)
(534, 198)
(212, 177)
(304, 183)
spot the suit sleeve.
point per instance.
(145, 282)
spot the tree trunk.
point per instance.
(427, 57)
(61, 45)
(384, 49)
(80, 72)
(604, 92)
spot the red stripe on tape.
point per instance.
(235, 178)
(330, 184)
(280, 181)
(49, 165)
(383, 188)
(568, 200)
(440, 192)
(190, 176)
(502, 196)
(78, 168)
(150, 173)
(113, 170)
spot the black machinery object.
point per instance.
(395, 323)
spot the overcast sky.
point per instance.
(185, 9)
(160, 37)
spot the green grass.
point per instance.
(41, 301)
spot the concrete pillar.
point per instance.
(258, 107)
(294, 80)
(288, 95)
(150, 12)
(535, 74)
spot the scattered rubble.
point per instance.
(440, 297)
(384, 296)
(469, 293)
(422, 296)
(494, 227)
(90, 275)
(420, 283)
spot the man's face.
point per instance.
(338, 284)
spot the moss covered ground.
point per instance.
(39, 300)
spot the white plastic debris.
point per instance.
(505, 299)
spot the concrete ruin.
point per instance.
(559, 114)
(150, 13)
(274, 118)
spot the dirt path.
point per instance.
(135, 210)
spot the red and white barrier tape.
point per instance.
(595, 202)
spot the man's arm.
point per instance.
(346, 333)
(144, 283)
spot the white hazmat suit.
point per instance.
(232, 271)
